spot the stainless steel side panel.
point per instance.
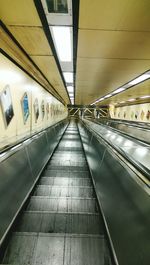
(20, 169)
(125, 205)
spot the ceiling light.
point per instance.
(145, 97)
(107, 96)
(122, 102)
(63, 42)
(118, 90)
(139, 79)
(68, 77)
(70, 89)
(131, 99)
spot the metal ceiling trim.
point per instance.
(48, 35)
(75, 14)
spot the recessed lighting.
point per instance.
(68, 77)
(139, 79)
(63, 42)
(145, 97)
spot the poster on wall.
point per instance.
(136, 114)
(47, 110)
(132, 114)
(6, 104)
(142, 115)
(43, 109)
(148, 115)
(25, 107)
(36, 109)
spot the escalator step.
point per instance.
(66, 181)
(57, 191)
(62, 204)
(33, 248)
(60, 223)
(68, 174)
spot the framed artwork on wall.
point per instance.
(43, 109)
(25, 107)
(6, 105)
(47, 110)
(36, 109)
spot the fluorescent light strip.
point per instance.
(145, 97)
(131, 99)
(139, 79)
(68, 77)
(133, 82)
(63, 42)
(120, 89)
(70, 89)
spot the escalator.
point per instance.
(62, 223)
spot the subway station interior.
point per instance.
(75, 132)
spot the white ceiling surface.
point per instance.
(113, 46)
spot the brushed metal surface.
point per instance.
(47, 249)
(48, 222)
(70, 181)
(19, 171)
(137, 151)
(62, 223)
(68, 174)
(125, 204)
(64, 191)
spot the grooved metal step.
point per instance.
(68, 167)
(57, 191)
(60, 223)
(44, 249)
(65, 181)
(68, 174)
(62, 204)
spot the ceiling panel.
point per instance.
(22, 20)
(48, 66)
(19, 12)
(130, 15)
(32, 39)
(114, 44)
(15, 53)
(100, 76)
